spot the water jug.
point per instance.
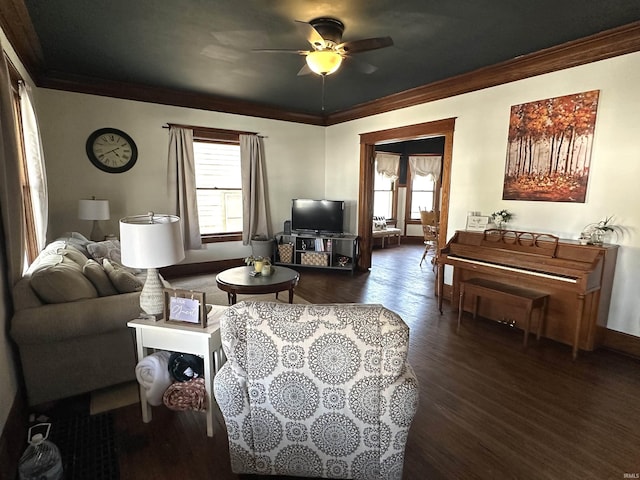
(41, 460)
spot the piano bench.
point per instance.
(509, 294)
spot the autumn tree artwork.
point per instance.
(549, 149)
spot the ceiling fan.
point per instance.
(325, 36)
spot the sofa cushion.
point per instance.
(77, 241)
(99, 278)
(124, 281)
(71, 253)
(379, 223)
(58, 279)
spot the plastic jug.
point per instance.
(41, 460)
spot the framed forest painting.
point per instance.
(549, 149)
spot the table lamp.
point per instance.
(150, 242)
(94, 209)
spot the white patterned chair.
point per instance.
(316, 390)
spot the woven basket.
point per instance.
(286, 252)
(316, 259)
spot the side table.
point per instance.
(159, 335)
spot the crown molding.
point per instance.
(16, 23)
(603, 45)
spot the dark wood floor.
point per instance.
(488, 409)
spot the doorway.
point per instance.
(368, 142)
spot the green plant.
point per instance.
(604, 225)
(595, 232)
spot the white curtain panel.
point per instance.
(388, 164)
(426, 165)
(35, 166)
(10, 184)
(255, 208)
(182, 184)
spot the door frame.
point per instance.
(368, 141)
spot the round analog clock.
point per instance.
(112, 150)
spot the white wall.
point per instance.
(294, 161)
(479, 152)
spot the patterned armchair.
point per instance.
(316, 390)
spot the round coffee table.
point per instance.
(237, 280)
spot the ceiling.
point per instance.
(203, 49)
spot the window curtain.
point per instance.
(388, 164)
(182, 184)
(10, 185)
(426, 165)
(35, 166)
(255, 208)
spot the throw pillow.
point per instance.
(124, 281)
(77, 241)
(109, 249)
(59, 280)
(99, 278)
(74, 255)
(379, 223)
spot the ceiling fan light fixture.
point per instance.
(324, 62)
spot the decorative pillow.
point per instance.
(379, 223)
(74, 255)
(124, 281)
(57, 279)
(99, 278)
(77, 241)
(109, 249)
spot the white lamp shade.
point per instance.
(151, 241)
(93, 209)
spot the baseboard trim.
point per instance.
(622, 343)
(14, 438)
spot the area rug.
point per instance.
(114, 397)
(87, 446)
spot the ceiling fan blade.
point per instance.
(311, 34)
(305, 70)
(276, 50)
(357, 46)
(361, 66)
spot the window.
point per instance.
(383, 196)
(218, 188)
(421, 194)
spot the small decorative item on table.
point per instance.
(184, 307)
(501, 217)
(596, 233)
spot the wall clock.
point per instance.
(112, 150)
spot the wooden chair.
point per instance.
(429, 220)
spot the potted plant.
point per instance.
(597, 232)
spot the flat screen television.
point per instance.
(318, 216)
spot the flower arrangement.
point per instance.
(501, 216)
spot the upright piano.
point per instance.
(577, 278)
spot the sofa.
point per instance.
(316, 390)
(71, 309)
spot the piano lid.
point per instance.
(539, 252)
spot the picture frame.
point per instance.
(477, 223)
(184, 307)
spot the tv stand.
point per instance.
(336, 251)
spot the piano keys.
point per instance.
(577, 278)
